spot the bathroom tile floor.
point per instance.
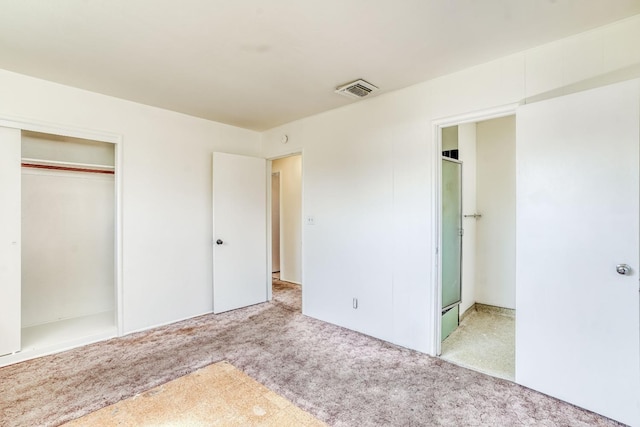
(485, 342)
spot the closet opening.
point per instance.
(68, 211)
(477, 245)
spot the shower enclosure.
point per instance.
(451, 244)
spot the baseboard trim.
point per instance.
(486, 308)
(467, 312)
(502, 311)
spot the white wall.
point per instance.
(467, 144)
(67, 245)
(369, 178)
(290, 169)
(450, 138)
(275, 222)
(66, 149)
(166, 200)
(496, 200)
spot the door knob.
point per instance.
(219, 242)
(623, 269)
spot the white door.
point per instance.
(239, 231)
(10, 241)
(577, 329)
(10, 252)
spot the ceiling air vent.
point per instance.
(357, 89)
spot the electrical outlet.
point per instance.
(310, 220)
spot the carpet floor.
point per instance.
(218, 395)
(339, 376)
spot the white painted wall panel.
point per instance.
(583, 57)
(10, 240)
(544, 68)
(467, 143)
(352, 218)
(67, 245)
(620, 47)
(496, 201)
(411, 232)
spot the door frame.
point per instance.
(435, 291)
(101, 136)
(269, 228)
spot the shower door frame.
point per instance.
(460, 233)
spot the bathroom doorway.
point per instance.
(477, 229)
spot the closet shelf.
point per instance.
(67, 166)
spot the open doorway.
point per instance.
(286, 230)
(477, 231)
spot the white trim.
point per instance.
(476, 116)
(55, 129)
(118, 243)
(280, 225)
(22, 356)
(435, 288)
(269, 231)
(436, 278)
(283, 154)
(302, 231)
(170, 322)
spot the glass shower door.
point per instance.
(451, 244)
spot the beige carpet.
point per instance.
(341, 377)
(218, 395)
(485, 342)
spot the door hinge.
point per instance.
(461, 232)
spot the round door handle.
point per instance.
(623, 269)
(219, 242)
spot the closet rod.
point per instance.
(66, 168)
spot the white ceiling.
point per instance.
(260, 63)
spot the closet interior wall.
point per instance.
(68, 239)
